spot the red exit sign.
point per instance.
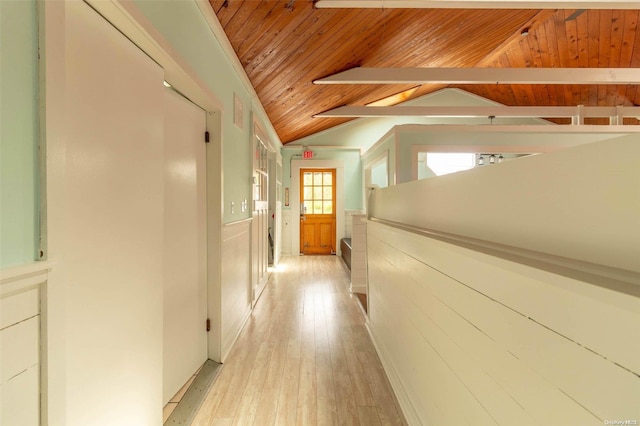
(307, 155)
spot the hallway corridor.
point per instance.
(304, 357)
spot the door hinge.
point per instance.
(206, 137)
(208, 324)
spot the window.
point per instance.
(318, 192)
(443, 163)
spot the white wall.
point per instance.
(474, 327)
(579, 203)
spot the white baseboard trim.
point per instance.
(408, 410)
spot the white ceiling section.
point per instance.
(477, 4)
(364, 75)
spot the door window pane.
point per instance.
(308, 193)
(327, 178)
(308, 178)
(327, 193)
(318, 192)
(317, 179)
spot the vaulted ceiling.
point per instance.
(284, 45)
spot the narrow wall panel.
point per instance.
(19, 307)
(20, 399)
(19, 348)
(236, 281)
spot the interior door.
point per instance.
(185, 294)
(317, 211)
(260, 222)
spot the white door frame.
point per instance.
(294, 198)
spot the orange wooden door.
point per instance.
(318, 211)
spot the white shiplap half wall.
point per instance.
(474, 331)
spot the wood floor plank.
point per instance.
(304, 357)
(288, 398)
(368, 416)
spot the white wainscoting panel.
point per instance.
(287, 217)
(236, 281)
(470, 338)
(20, 343)
(358, 254)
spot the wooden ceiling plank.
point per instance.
(544, 47)
(310, 65)
(617, 31)
(264, 64)
(582, 23)
(294, 45)
(239, 22)
(216, 5)
(227, 12)
(399, 34)
(628, 36)
(266, 17)
(264, 43)
(512, 44)
(556, 42)
(571, 35)
(594, 37)
(606, 26)
(322, 41)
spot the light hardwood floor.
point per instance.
(304, 357)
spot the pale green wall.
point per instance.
(18, 133)
(352, 173)
(182, 24)
(386, 145)
(379, 175)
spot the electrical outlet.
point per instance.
(233, 207)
